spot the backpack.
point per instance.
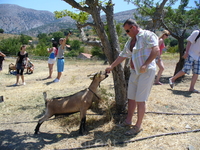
(197, 36)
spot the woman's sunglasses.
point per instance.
(127, 31)
(166, 34)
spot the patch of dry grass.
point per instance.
(24, 105)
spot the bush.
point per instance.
(75, 44)
(97, 51)
(1, 31)
(173, 42)
(10, 46)
(72, 53)
(173, 49)
(41, 50)
(24, 39)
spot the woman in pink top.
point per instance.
(159, 62)
(52, 58)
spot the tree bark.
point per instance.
(181, 61)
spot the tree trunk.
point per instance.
(111, 50)
(181, 61)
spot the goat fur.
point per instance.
(78, 102)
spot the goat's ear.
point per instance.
(93, 74)
(98, 75)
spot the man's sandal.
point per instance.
(171, 83)
(124, 124)
(133, 131)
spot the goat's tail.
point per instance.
(45, 98)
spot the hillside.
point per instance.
(15, 19)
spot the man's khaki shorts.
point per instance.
(139, 86)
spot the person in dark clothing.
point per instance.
(2, 55)
(21, 63)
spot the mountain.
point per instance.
(15, 19)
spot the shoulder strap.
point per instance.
(197, 36)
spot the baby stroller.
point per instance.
(30, 67)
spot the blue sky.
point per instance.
(58, 5)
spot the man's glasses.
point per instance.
(127, 31)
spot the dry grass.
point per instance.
(24, 105)
(5, 36)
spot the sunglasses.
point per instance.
(166, 34)
(127, 31)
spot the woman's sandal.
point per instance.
(195, 91)
(133, 131)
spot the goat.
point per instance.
(78, 102)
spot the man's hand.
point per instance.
(143, 68)
(185, 56)
(108, 69)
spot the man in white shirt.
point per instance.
(142, 48)
(192, 61)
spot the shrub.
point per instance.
(10, 46)
(1, 31)
(173, 49)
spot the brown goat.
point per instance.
(78, 102)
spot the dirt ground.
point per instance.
(172, 121)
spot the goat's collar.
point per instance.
(93, 93)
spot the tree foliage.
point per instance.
(11, 46)
(81, 17)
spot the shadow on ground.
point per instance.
(25, 140)
(12, 140)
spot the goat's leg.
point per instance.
(82, 126)
(40, 123)
(37, 127)
(83, 120)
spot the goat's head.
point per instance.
(98, 76)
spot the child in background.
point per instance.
(52, 58)
(30, 67)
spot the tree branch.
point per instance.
(85, 25)
(84, 38)
(76, 5)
